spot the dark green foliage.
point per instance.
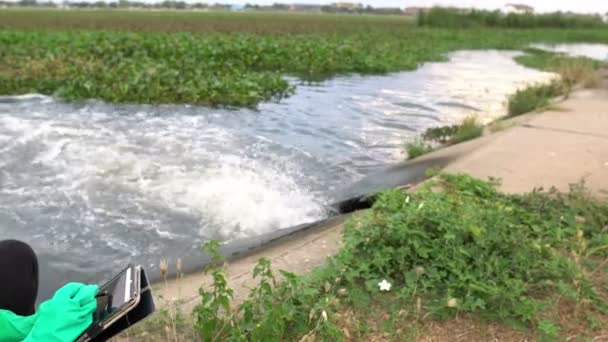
(468, 129)
(456, 245)
(555, 62)
(572, 70)
(218, 68)
(441, 134)
(534, 97)
(417, 148)
(463, 19)
(272, 312)
(495, 254)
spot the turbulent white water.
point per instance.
(88, 182)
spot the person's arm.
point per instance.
(14, 328)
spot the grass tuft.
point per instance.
(468, 129)
(534, 98)
(573, 71)
(417, 148)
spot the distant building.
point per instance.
(519, 9)
(305, 8)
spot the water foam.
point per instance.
(240, 195)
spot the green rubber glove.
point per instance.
(14, 328)
(65, 316)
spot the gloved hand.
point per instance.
(13, 327)
(65, 316)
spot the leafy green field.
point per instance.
(224, 59)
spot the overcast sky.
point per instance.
(540, 5)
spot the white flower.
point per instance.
(452, 303)
(384, 285)
(421, 205)
(407, 199)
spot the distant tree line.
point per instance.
(172, 4)
(469, 18)
(169, 4)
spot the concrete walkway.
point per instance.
(553, 148)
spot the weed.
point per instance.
(548, 330)
(441, 134)
(534, 97)
(455, 246)
(417, 148)
(468, 129)
(579, 71)
(271, 311)
(239, 61)
(572, 70)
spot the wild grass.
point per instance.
(534, 98)
(417, 148)
(466, 130)
(465, 18)
(455, 248)
(573, 71)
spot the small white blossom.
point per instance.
(407, 199)
(384, 285)
(421, 205)
(452, 303)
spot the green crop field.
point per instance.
(234, 59)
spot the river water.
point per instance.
(594, 51)
(92, 185)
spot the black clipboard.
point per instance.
(144, 308)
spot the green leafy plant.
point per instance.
(456, 245)
(468, 129)
(534, 98)
(417, 148)
(120, 56)
(213, 313)
(467, 248)
(294, 308)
